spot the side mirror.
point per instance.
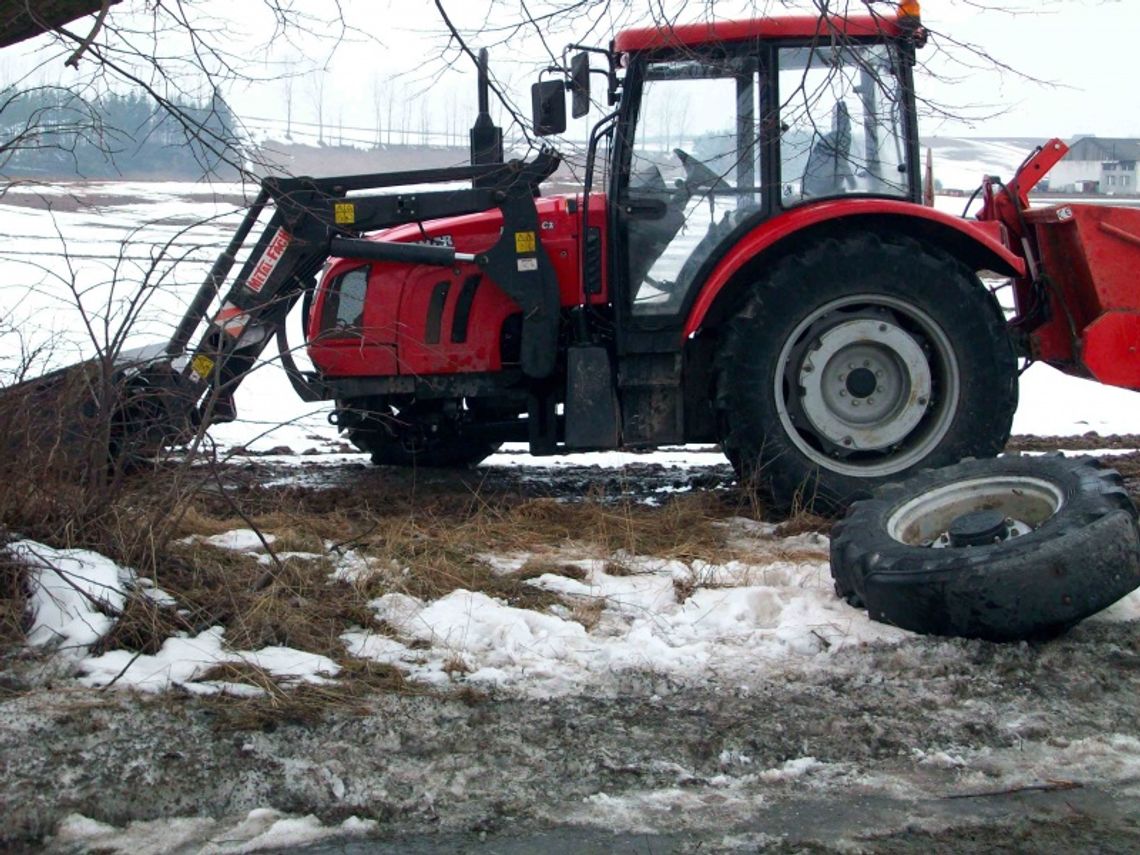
(580, 85)
(548, 107)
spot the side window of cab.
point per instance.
(344, 303)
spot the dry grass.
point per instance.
(424, 541)
(143, 625)
(588, 612)
(803, 522)
(305, 704)
(13, 602)
(536, 567)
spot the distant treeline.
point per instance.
(53, 132)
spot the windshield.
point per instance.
(842, 121)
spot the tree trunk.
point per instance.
(26, 19)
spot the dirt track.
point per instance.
(936, 744)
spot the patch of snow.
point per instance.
(75, 594)
(790, 770)
(267, 559)
(239, 540)
(355, 568)
(679, 457)
(260, 830)
(182, 660)
(736, 618)
(1124, 610)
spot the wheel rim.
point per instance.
(975, 512)
(867, 385)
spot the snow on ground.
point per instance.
(260, 830)
(735, 618)
(183, 661)
(739, 620)
(75, 595)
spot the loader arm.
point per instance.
(315, 219)
(124, 406)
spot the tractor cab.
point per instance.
(723, 126)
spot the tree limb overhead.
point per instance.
(26, 19)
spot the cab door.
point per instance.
(693, 175)
(690, 180)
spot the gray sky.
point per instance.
(1076, 49)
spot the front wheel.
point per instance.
(858, 362)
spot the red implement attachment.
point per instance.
(1080, 303)
(1090, 255)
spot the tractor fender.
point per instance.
(978, 245)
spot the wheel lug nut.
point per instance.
(848, 440)
(880, 389)
(879, 373)
(922, 402)
(866, 363)
(842, 377)
(854, 402)
(842, 393)
(882, 327)
(870, 401)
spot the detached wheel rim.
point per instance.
(867, 385)
(976, 512)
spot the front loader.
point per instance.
(758, 271)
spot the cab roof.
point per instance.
(784, 27)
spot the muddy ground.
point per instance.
(932, 745)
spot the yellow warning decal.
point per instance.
(524, 242)
(202, 365)
(345, 213)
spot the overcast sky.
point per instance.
(1082, 50)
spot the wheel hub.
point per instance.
(861, 383)
(865, 384)
(978, 528)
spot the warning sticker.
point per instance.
(268, 262)
(232, 319)
(344, 213)
(200, 367)
(527, 264)
(524, 242)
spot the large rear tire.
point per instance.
(858, 362)
(1007, 549)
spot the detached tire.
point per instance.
(1007, 549)
(860, 361)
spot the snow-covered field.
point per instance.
(744, 624)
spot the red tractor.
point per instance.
(759, 272)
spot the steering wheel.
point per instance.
(697, 174)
